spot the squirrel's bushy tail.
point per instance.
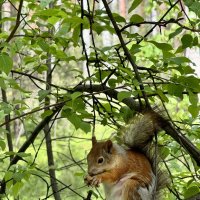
(139, 135)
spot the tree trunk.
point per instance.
(47, 132)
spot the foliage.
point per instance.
(75, 67)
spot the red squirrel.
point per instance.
(126, 173)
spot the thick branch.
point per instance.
(133, 105)
(126, 51)
(29, 141)
(17, 22)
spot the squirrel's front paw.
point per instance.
(92, 180)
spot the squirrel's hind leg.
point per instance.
(130, 190)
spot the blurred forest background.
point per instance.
(73, 67)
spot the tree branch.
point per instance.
(17, 22)
(29, 141)
(126, 51)
(165, 124)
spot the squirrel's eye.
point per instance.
(100, 160)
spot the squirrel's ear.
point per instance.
(94, 140)
(108, 146)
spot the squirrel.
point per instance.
(131, 172)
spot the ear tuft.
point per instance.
(108, 146)
(94, 140)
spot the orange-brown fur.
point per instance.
(118, 164)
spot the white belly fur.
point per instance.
(114, 191)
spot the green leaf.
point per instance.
(195, 41)
(175, 33)
(46, 113)
(162, 96)
(191, 191)
(44, 3)
(2, 83)
(76, 34)
(175, 90)
(112, 82)
(122, 95)
(136, 18)
(164, 152)
(118, 18)
(193, 98)
(134, 5)
(194, 110)
(42, 94)
(79, 173)
(180, 60)
(85, 127)
(22, 154)
(195, 7)
(187, 40)
(10, 153)
(6, 63)
(2, 145)
(53, 20)
(98, 28)
(162, 46)
(75, 95)
(18, 176)
(16, 188)
(126, 113)
(2, 114)
(43, 45)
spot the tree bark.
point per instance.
(47, 130)
(7, 119)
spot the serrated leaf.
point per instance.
(43, 45)
(136, 18)
(122, 95)
(18, 176)
(6, 63)
(134, 5)
(162, 46)
(16, 188)
(8, 175)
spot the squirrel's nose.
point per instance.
(91, 172)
